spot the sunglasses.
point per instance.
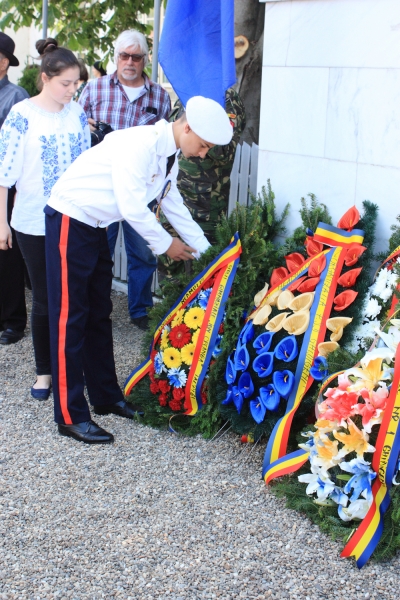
(135, 57)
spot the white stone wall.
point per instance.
(330, 107)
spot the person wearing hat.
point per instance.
(114, 180)
(12, 280)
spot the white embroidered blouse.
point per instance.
(36, 148)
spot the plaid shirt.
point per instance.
(104, 99)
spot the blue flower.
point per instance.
(263, 342)
(230, 371)
(159, 366)
(245, 385)
(339, 497)
(316, 371)
(247, 333)
(361, 481)
(237, 398)
(283, 382)
(242, 358)
(177, 377)
(217, 348)
(264, 364)
(270, 397)
(287, 350)
(229, 396)
(203, 298)
(257, 410)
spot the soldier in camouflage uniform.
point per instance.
(205, 183)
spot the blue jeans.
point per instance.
(141, 267)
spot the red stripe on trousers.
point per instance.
(62, 324)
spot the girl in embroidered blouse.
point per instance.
(39, 139)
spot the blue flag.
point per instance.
(197, 48)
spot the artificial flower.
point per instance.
(294, 261)
(316, 371)
(163, 399)
(336, 325)
(369, 375)
(263, 342)
(277, 322)
(257, 410)
(372, 410)
(229, 396)
(187, 353)
(217, 347)
(313, 247)
(339, 496)
(204, 297)
(260, 295)
(302, 302)
(349, 278)
(391, 338)
(164, 337)
(287, 349)
(178, 393)
(180, 335)
(325, 348)
(247, 333)
(178, 318)
(297, 323)
(242, 358)
(154, 387)
(270, 397)
(349, 219)
(283, 382)
(295, 284)
(237, 398)
(308, 285)
(317, 266)
(175, 404)
(261, 316)
(362, 478)
(353, 253)
(264, 364)
(327, 453)
(278, 275)
(177, 377)
(158, 362)
(172, 358)
(373, 308)
(317, 484)
(354, 441)
(284, 299)
(194, 317)
(343, 300)
(339, 405)
(245, 385)
(230, 371)
(355, 510)
(164, 386)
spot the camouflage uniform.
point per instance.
(204, 183)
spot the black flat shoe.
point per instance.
(9, 336)
(121, 408)
(87, 432)
(141, 322)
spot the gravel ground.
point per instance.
(155, 515)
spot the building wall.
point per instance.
(330, 107)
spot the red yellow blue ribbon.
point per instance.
(333, 236)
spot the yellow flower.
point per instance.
(172, 358)
(178, 319)
(368, 376)
(187, 353)
(195, 336)
(194, 317)
(164, 338)
(354, 441)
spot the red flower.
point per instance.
(348, 279)
(278, 275)
(344, 299)
(178, 394)
(180, 335)
(154, 387)
(175, 405)
(221, 329)
(313, 247)
(151, 373)
(308, 285)
(295, 284)
(317, 266)
(163, 399)
(164, 386)
(349, 219)
(294, 261)
(353, 254)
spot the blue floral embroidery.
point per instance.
(83, 120)
(75, 145)
(49, 156)
(15, 119)
(4, 140)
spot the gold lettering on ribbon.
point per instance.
(389, 438)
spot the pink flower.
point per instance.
(375, 404)
(344, 382)
(339, 405)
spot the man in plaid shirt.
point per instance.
(125, 99)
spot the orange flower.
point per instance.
(313, 247)
(294, 261)
(354, 441)
(317, 266)
(308, 285)
(348, 279)
(343, 300)
(278, 275)
(295, 284)
(353, 254)
(349, 219)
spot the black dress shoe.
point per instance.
(87, 432)
(141, 322)
(121, 408)
(9, 336)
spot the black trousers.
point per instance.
(12, 284)
(33, 251)
(79, 277)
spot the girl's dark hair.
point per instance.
(54, 59)
(99, 67)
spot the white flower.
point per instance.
(355, 510)
(373, 308)
(386, 294)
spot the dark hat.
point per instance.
(7, 47)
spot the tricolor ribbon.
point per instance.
(384, 462)
(223, 267)
(333, 236)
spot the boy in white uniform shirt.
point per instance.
(115, 180)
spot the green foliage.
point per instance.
(394, 240)
(28, 79)
(90, 28)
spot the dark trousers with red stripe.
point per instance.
(79, 276)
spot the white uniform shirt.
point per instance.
(36, 147)
(119, 177)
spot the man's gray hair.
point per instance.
(131, 37)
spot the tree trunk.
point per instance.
(249, 22)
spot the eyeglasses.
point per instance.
(135, 57)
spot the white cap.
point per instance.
(209, 120)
